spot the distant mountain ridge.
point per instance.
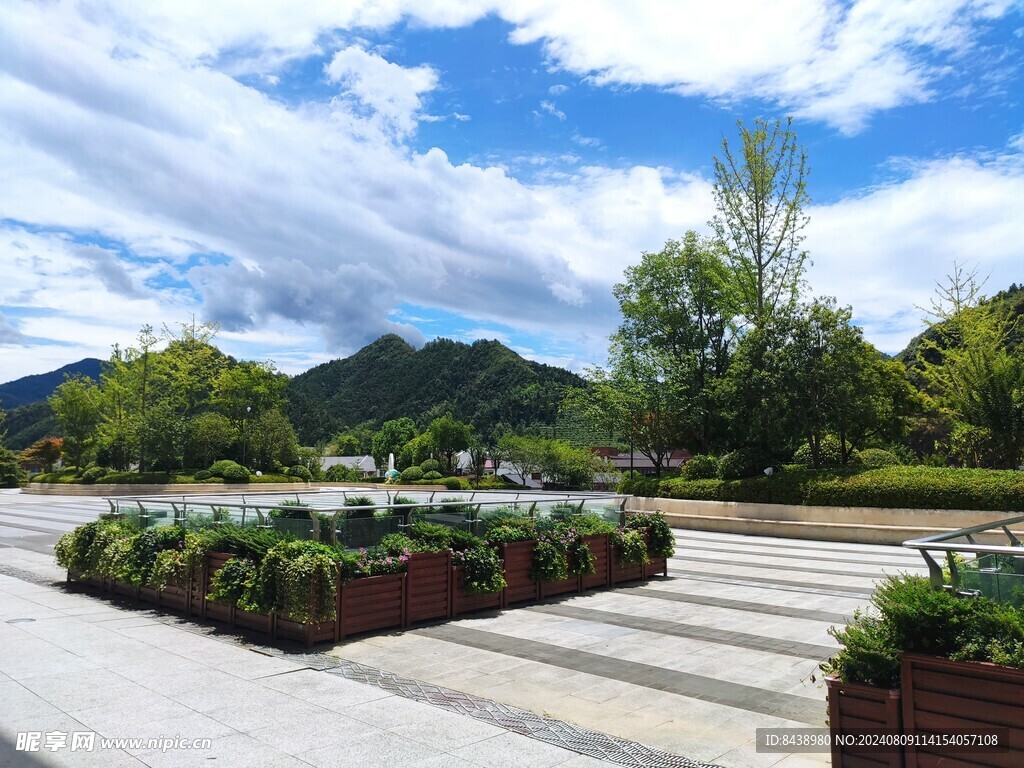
(30, 389)
(484, 383)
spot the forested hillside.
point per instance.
(484, 383)
(31, 389)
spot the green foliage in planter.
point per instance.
(434, 536)
(298, 579)
(701, 467)
(378, 561)
(661, 541)
(907, 615)
(482, 569)
(549, 562)
(505, 534)
(137, 565)
(631, 546)
(590, 524)
(234, 584)
(461, 540)
(72, 550)
(399, 543)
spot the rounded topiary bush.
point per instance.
(873, 458)
(453, 483)
(412, 474)
(300, 471)
(202, 474)
(93, 474)
(432, 475)
(218, 468)
(431, 465)
(829, 453)
(235, 474)
(737, 465)
(700, 468)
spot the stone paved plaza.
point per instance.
(690, 665)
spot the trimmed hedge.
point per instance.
(892, 487)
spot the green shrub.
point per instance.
(737, 465)
(378, 561)
(234, 583)
(829, 453)
(873, 458)
(455, 483)
(908, 615)
(432, 475)
(590, 524)
(94, 474)
(412, 474)
(635, 484)
(339, 473)
(301, 472)
(505, 534)
(461, 540)
(431, 465)
(202, 474)
(233, 473)
(700, 468)
(218, 467)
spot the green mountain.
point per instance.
(484, 383)
(29, 424)
(30, 389)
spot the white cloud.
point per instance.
(883, 250)
(551, 109)
(391, 91)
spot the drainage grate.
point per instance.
(555, 732)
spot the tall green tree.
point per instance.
(77, 404)
(272, 441)
(679, 311)
(390, 438)
(972, 375)
(760, 192)
(448, 436)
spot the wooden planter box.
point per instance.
(940, 696)
(376, 602)
(853, 707)
(260, 622)
(176, 598)
(464, 601)
(149, 595)
(209, 609)
(517, 560)
(602, 563)
(560, 587)
(620, 573)
(428, 589)
(308, 634)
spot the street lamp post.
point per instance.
(245, 432)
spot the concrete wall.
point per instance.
(867, 525)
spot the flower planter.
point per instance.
(464, 601)
(259, 622)
(601, 577)
(853, 707)
(428, 589)
(619, 572)
(376, 602)
(308, 634)
(120, 588)
(209, 609)
(517, 560)
(560, 587)
(940, 696)
(175, 598)
(149, 595)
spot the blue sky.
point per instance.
(313, 176)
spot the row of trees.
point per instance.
(719, 348)
(184, 405)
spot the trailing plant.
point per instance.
(234, 583)
(72, 550)
(398, 543)
(661, 541)
(298, 579)
(631, 546)
(591, 524)
(482, 569)
(549, 561)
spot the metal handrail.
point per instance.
(942, 542)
